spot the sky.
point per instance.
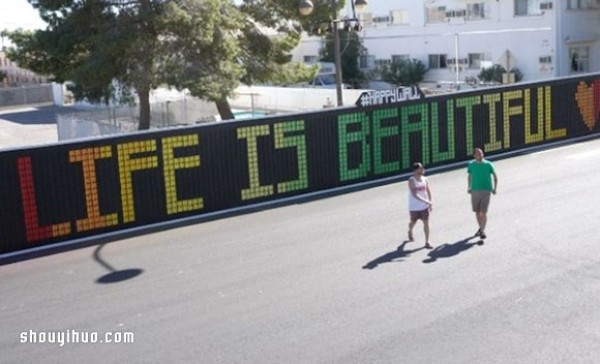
(16, 14)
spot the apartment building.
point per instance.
(16, 76)
(455, 39)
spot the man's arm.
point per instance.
(495, 182)
(429, 195)
(469, 183)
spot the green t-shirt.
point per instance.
(481, 175)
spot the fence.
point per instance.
(105, 120)
(25, 95)
(171, 108)
(74, 190)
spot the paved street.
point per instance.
(330, 281)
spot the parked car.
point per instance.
(325, 81)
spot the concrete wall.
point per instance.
(289, 98)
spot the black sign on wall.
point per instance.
(56, 193)
(391, 96)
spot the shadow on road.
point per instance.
(114, 275)
(450, 250)
(38, 116)
(393, 256)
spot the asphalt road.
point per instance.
(326, 282)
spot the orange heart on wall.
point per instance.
(588, 101)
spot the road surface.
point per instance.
(330, 281)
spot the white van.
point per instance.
(326, 77)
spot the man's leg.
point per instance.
(411, 225)
(479, 220)
(476, 204)
(426, 230)
(485, 203)
(483, 220)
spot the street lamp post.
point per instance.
(306, 7)
(337, 58)
(456, 62)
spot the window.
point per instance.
(456, 13)
(399, 17)
(437, 61)
(460, 63)
(545, 64)
(583, 4)
(366, 61)
(311, 59)
(382, 62)
(436, 14)
(476, 11)
(475, 59)
(579, 57)
(528, 7)
(397, 58)
(381, 19)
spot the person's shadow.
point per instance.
(450, 250)
(393, 256)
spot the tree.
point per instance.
(107, 47)
(269, 32)
(205, 61)
(141, 44)
(292, 73)
(495, 72)
(404, 72)
(352, 48)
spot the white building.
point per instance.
(543, 38)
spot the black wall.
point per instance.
(65, 191)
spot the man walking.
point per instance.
(419, 202)
(480, 187)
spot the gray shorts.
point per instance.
(480, 201)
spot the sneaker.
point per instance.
(482, 235)
(479, 232)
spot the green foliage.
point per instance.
(495, 72)
(351, 50)
(404, 72)
(106, 49)
(264, 54)
(518, 74)
(293, 73)
(270, 30)
(200, 52)
(492, 74)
